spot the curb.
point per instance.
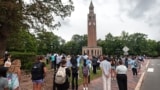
(138, 86)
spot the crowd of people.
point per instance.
(67, 70)
(113, 68)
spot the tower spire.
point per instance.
(91, 5)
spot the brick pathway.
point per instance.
(132, 81)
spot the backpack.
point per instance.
(74, 69)
(61, 76)
(135, 64)
(37, 71)
(85, 70)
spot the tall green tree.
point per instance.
(152, 48)
(47, 42)
(80, 41)
(36, 14)
(22, 41)
(137, 43)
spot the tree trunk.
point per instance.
(2, 46)
(4, 34)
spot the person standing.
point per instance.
(58, 60)
(106, 72)
(68, 61)
(79, 64)
(94, 64)
(52, 61)
(121, 71)
(8, 61)
(85, 72)
(14, 75)
(89, 64)
(126, 62)
(3, 79)
(65, 85)
(74, 69)
(38, 73)
(134, 66)
(113, 67)
(48, 56)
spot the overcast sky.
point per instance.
(114, 16)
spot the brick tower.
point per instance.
(92, 48)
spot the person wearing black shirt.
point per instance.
(94, 64)
(74, 69)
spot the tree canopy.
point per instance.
(36, 15)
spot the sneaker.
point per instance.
(84, 88)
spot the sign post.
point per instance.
(125, 49)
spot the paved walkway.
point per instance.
(132, 81)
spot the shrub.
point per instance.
(27, 59)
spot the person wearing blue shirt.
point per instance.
(52, 61)
(68, 63)
(78, 63)
(133, 63)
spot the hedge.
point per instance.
(27, 59)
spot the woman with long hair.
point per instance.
(14, 75)
(85, 71)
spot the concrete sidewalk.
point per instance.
(97, 84)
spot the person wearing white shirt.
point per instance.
(106, 73)
(121, 71)
(8, 62)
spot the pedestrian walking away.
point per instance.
(121, 71)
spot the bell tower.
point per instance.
(92, 27)
(92, 49)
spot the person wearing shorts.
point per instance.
(38, 78)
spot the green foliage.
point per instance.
(22, 41)
(27, 59)
(137, 43)
(75, 45)
(37, 15)
(48, 42)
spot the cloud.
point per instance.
(141, 7)
(136, 8)
(113, 16)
